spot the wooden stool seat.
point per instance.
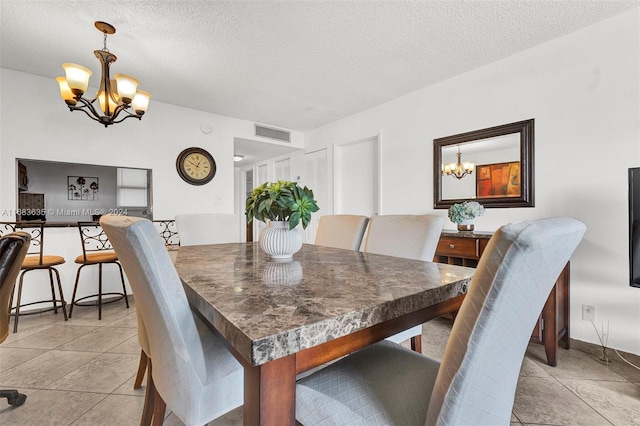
(94, 258)
(48, 260)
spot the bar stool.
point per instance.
(36, 260)
(96, 250)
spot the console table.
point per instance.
(466, 248)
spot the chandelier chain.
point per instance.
(104, 49)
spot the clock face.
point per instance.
(196, 166)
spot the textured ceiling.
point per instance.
(293, 64)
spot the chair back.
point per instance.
(341, 231)
(198, 229)
(36, 232)
(477, 379)
(13, 248)
(409, 236)
(93, 238)
(176, 348)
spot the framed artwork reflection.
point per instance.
(498, 180)
(82, 188)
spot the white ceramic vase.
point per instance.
(279, 241)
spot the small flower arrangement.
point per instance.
(467, 210)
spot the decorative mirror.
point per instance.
(493, 166)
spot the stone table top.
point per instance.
(267, 310)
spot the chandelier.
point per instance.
(458, 169)
(114, 96)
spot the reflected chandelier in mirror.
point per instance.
(499, 170)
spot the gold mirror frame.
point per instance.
(525, 129)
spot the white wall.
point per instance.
(36, 124)
(583, 92)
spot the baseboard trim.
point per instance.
(593, 349)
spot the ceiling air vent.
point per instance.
(271, 133)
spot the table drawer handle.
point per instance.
(452, 246)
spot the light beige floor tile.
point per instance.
(128, 321)
(104, 373)
(43, 370)
(11, 357)
(25, 330)
(573, 364)
(531, 368)
(127, 387)
(544, 400)
(51, 408)
(99, 340)
(51, 338)
(88, 315)
(172, 420)
(129, 346)
(232, 418)
(29, 320)
(618, 402)
(434, 339)
(629, 372)
(113, 410)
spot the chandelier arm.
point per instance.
(83, 109)
(123, 108)
(129, 115)
(87, 108)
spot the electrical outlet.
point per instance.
(588, 313)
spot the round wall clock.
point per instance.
(196, 166)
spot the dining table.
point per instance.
(284, 318)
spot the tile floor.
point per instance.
(81, 372)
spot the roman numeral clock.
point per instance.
(196, 166)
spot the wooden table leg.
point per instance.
(270, 393)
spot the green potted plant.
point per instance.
(464, 213)
(282, 205)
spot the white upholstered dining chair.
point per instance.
(207, 228)
(190, 368)
(476, 382)
(409, 236)
(343, 231)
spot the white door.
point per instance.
(315, 178)
(356, 177)
(261, 176)
(282, 169)
(246, 186)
